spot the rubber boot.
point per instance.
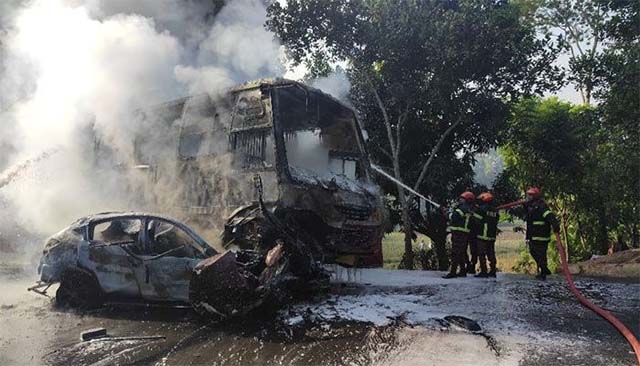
(462, 273)
(452, 273)
(471, 268)
(483, 269)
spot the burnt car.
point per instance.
(144, 258)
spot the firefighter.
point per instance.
(540, 221)
(485, 232)
(460, 227)
(472, 261)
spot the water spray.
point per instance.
(396, 181)
(14, 172)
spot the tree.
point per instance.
(588, 158)
(580, 30)
(432, 80)
(544, 145)
(588, 168)
(619, 95)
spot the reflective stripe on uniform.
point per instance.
(485, 233)
(458, 228)
(539, 222)
(464, 229)
(477, 216)
(539, 238)
(546, 213)
(485, 238)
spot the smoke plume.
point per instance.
(76, 72)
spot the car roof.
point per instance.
(121, 215)
(105, 216)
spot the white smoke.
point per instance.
(336, 84)
(74, 71)
(487, 167)
(237, 48)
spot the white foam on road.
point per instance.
(379, 309)
(516, 310)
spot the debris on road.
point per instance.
(153, 259)
(306, 146)
(102, 335)
(90, 334)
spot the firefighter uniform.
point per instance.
(486, 231)
(460, 228)
(472, 262)
(540, 222)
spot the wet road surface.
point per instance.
(386, 317)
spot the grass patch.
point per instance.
(508, 245)
(393, 248)
(507, 253)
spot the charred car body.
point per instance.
(116, 257)
(298, 149)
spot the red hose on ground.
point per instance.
(633, 341)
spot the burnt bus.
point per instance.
(266, 161)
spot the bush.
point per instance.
(426, 259)
(526, 264)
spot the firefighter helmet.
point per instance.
(486, 197)
(469, 196)
(534, 192)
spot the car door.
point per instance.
(111, 245)
(170, 254)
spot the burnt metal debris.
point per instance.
(307, 149)
(138, 257)
(278, 168)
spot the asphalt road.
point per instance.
(385, 317)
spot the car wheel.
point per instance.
(79, 289)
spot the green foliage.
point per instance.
(542, 144)
(436, 63)
(426, 259)
(579, 30)
(463, 60)
(430, 64)
(587, 165)
(526, 264)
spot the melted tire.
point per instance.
(79, 289)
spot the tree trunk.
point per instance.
(407, 258)
(602, 234)
(408, 237)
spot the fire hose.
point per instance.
(633, 341)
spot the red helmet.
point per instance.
(486, 197)
(534, 192)
(469, 196)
